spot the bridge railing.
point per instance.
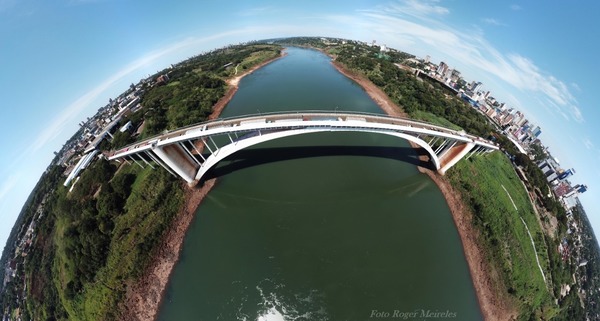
(300, 113)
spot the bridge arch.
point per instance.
(169, 149)
(236, 146)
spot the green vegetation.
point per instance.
(419, 99)
(43, 301)
(92, 242)
(171, 107)
(482, 182)
(197, 85)
(107, 243)
(255, 58)
(433, 119)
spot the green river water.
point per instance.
(329, 226)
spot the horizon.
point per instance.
(552, 90)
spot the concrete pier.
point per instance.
(170, 150)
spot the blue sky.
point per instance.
(61, 60)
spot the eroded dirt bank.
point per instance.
(144, 296)
(494, 306)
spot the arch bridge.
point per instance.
(191, 151)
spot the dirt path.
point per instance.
(537, 258)
(144, 296)
(233, 87)
(494, 306)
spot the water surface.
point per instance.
(328, 226)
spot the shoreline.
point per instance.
(234, 84)
(492, 307)
(145, 295)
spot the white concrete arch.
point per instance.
(454, 145)
(236, 146)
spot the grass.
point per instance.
(252, 60)
(480, 180)
(154, 201)
(436, 120)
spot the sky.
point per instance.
(61, 60)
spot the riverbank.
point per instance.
(144, 296)
(234, 84)
(493, 306)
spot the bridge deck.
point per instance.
(300, 120)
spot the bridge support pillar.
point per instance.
(178, 160)
(453, 155)
(446, 149)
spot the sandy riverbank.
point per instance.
(493, 306)
(144, 296)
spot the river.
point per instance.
(328, 226)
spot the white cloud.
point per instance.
(555, 108)
(73, 110)
(588, 143)
(493, 22)
(414, 8)
(414, 23)
(515, 7)
(573, 139)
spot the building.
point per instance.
(476, 86)
(536, 131)
(566, 173)
(562, 189)
(552, 177)
(81, 165)
(126, 127)
(161, 80)
(448, 73)
(546, 168)
(442, 68)
(569, 202)
(455, 75)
